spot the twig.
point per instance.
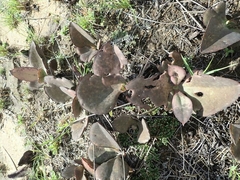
(10, 158)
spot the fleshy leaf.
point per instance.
(176, 74)
(218, 36)
(99, 155)
(27, 158)
(218, 10)
(78, 127)
(37, 58)
(79, 171)
(113, 79)
(86, 54)
(50, 80)
(80, 38)
(95, 97)
(41, 75)
(25, 73)
(159, 95)
(69, 92)
(143, 134)
(113, 169)
(76, 107)
(69, 171)
(100, 137)
(177, 58)
(235, 149)
(88, 165)
(182, 107)
(139, 90)
(123, 123)
(19, 173)
(56, 94)
(234, 130)
(106, 62)
(210, 94)
(120, 55)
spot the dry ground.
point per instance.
(199, 150)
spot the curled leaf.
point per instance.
(37, 58)
(176, 74)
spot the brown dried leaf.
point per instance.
(78, 127)
(113, 79)
(25, 73)
(211, 94)
(95, 97)
(113, 169)
(182, 107)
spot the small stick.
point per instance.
(10, 158)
